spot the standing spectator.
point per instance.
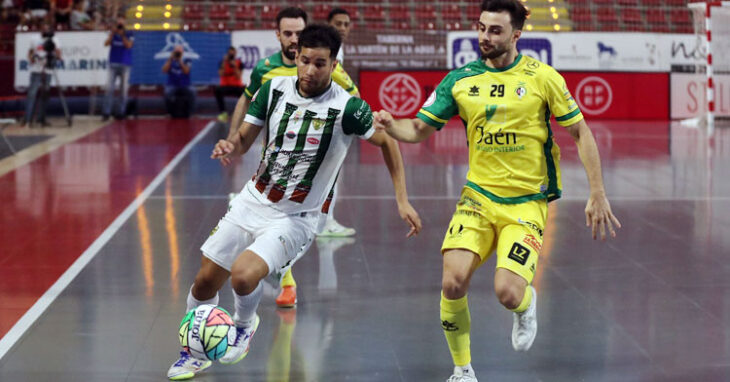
(179, 94)
(40, 74)
(229, 70)
(80, 20)
(120, 64)
(339, 19)
(61, 12)
(9, 12)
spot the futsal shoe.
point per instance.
(287, 298)
(239, 348)
(334, 229)
(186, 367)
(524, 326)
(462, 376)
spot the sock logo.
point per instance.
(519, 253)
(449, 326)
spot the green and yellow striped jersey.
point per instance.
(513, 157)
(273, 66)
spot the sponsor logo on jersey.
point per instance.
(291, 134)
(474, 91)
(313, 140)
(456, 232)
(431, 99)
(531, 225)
(520, 91)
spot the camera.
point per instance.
(49, 47)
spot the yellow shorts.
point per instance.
(515, 230)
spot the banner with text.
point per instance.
(689, 95)
(252, 46)
(84, 58)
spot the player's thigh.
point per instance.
(282, 242)
(470, 227)
(520, 239)
(225, 243)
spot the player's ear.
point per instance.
(517, 34)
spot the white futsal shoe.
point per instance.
(461, 375)
(186, 367)
(239, 348)
(524, 326)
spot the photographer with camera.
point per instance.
(121, 41)
(229, 70)
(179, 94)
(42, 55)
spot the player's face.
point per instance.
(341, 22)
(496, 35)
(288, 35)
(314, 69)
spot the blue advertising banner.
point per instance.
(152, 49)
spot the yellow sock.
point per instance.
(526, 300)
(288, 279)
(456, 322)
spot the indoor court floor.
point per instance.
(99, 244)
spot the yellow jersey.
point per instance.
(513, 157)
(274, 66)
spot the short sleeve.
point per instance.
(440, 105)
(340, 76)
(561, 102)
(255, 83)
(256, 114)
(358, 118)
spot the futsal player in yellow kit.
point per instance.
(505, 100)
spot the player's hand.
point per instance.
(382, 120)
(599, 216)
(222, 151)
(409, 214)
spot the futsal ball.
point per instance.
(204, 332)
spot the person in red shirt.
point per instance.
(229, 70)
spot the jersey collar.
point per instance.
(506, 68)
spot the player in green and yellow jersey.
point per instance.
(290, 23)
(505, 100)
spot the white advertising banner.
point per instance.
(84, 58)
(689, 95)
(253, 46)
(592, 51)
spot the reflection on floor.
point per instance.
(652, 305)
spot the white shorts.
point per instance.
(280, 241)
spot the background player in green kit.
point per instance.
(290, 22)
(506, 100)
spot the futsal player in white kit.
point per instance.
(309, 123)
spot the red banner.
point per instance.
(620, 95)
(638, 96)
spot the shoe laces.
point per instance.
(184, 357)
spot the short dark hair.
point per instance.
(517, 11)
(290, 13)
(320, 36)
(337, 11)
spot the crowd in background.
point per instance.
(62, 14)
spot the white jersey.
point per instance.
(306, 142)
(341, 55)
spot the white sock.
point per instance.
(194, 303)
(246, 306)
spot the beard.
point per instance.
(494, 53)
(288, 53)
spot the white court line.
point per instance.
(25, 322)
(454, 197)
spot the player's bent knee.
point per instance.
(510, 296)
(454, 286)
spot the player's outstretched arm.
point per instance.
(226, 149)
(238, 113)
(598, 210)
(394, 162)
(405, 130)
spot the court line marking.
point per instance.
(40, 306)
(454, 197)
